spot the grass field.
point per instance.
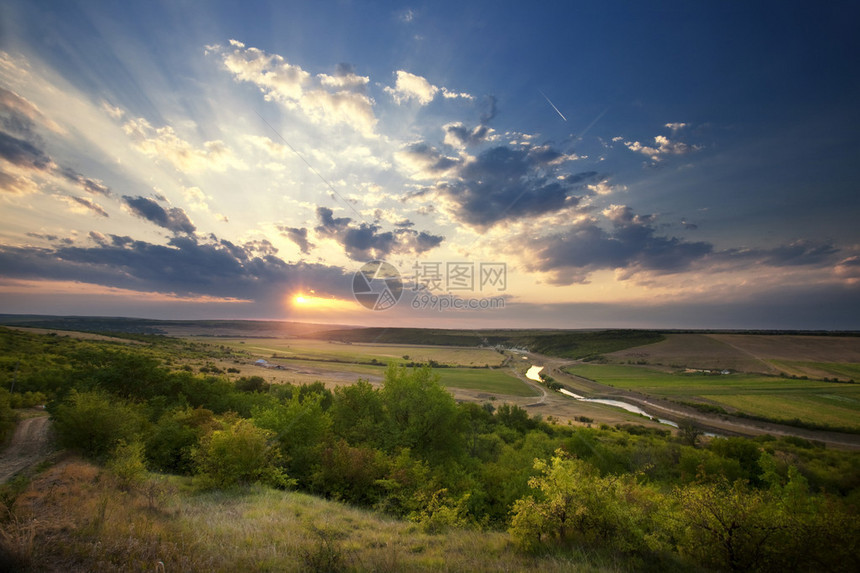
(74, 517)
(493, 381)
(360, 352)
(773, 397)
(795, 355)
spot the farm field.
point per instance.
(297, 371)
(773, 397)
(794, 355)
(360, 352)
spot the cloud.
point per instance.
(802, 252)
(410, 87)
(366, 242)
(426, 162)
(459, 136)
(299, 236)
(85, 205)
(849, 269)
(504, 183)
(338, 99)
(163, 143)
(184, 267)
(633, 248)
(631, 244)
(20, 116)
(23, 153)
(93, 186)
(662, 146)
(25, 158)
(173, 219)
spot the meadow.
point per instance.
(814, 402)
(297, 348)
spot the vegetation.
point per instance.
(463, 486)
(816, 404)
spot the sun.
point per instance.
(299, 299)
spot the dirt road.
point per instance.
(30, 444)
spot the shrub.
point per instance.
(239, 454)
(94, 423)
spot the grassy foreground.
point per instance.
(75, 516)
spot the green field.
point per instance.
(360, 352)
(773, 397)
(491, 381)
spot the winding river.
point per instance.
(534, 374)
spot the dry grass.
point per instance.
(74, 517)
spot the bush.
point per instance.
(94, 423)
(239, 454)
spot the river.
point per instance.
(534, 374)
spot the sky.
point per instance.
(517, 164)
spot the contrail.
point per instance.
(553, 105)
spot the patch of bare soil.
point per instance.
(30, 444)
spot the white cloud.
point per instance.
(663, 146)
(325, 99)
(411, 87)
(163, 143)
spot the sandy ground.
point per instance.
(29, 445)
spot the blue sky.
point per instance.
(676, 164)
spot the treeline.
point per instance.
(408, 449)
(579, 345)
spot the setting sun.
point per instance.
(299, 299)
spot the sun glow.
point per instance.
(318, 303)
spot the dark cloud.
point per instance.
(90, 204)
(631, 244)
(366, 242)
(185, 267)
(490, 113)
(16, 115)
(24, 149)
(22, 153)
(504, 183)
(87, 184)
(299, 236)
(173, 219)
(464, 136)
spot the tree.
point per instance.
(94, 422)
(239, 454)
(358, 415)
(575, 504)
(421, 414)
(300, 426)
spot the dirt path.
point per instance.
(30, 444)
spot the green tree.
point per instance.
(95, 422)
(422, 415)
(575, 504)
(239, 454)
(358, 415)
(726, 526)
(301, 427)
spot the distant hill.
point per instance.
(577, 344)
(103, 324)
